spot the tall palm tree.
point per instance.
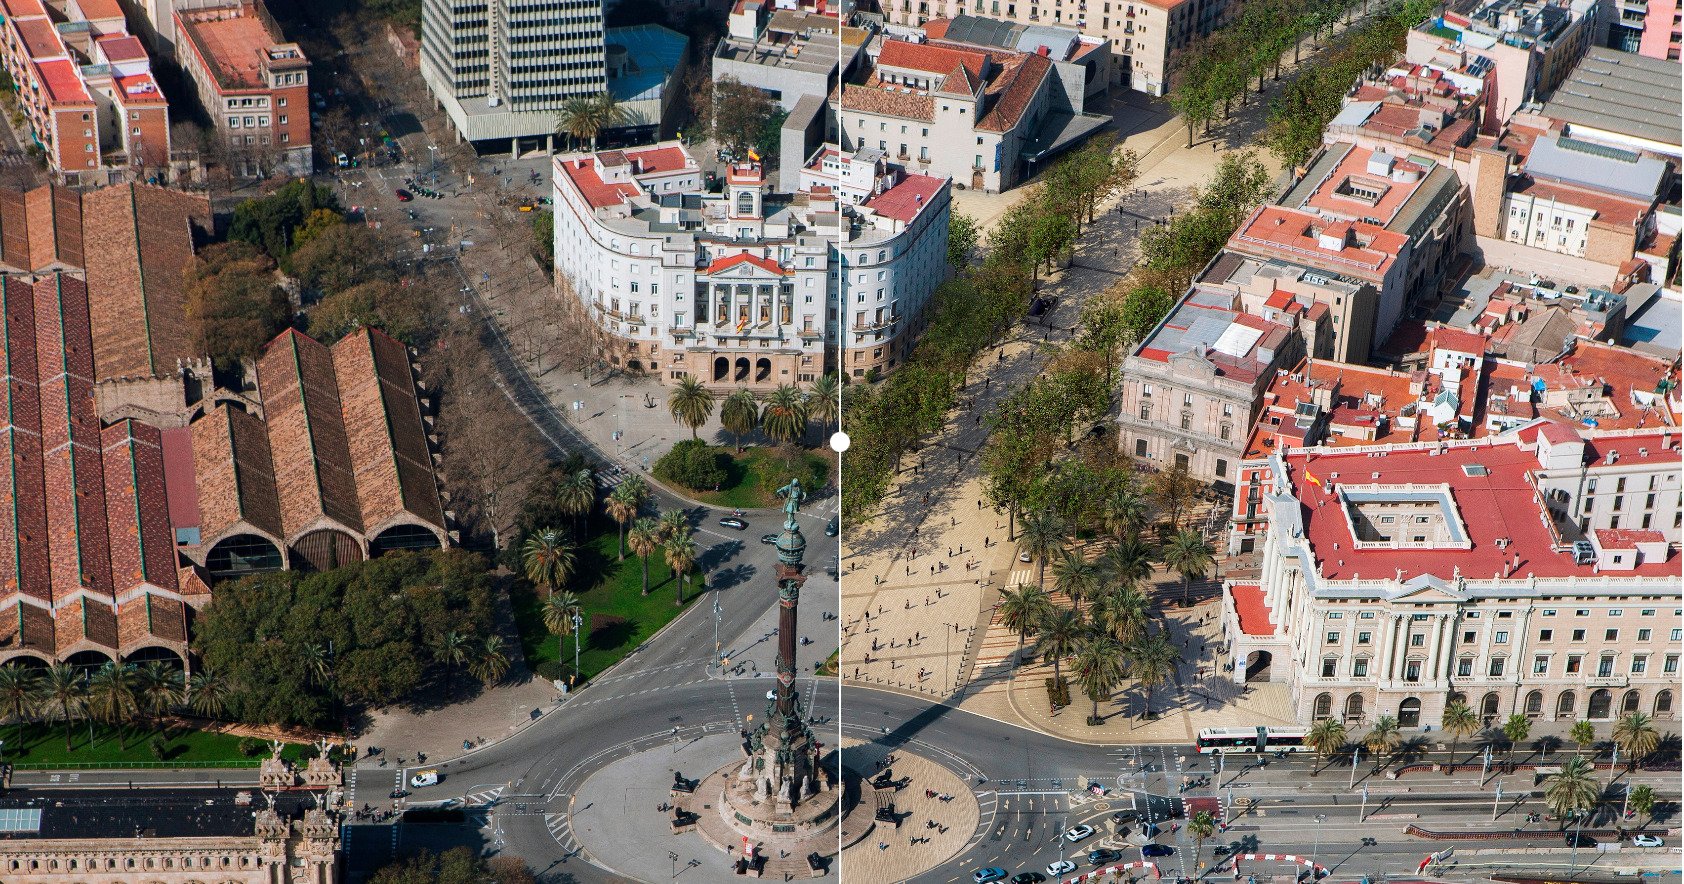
(1383, 739)
(673, 522)
(489, 663)
(317, 663)
(1129, 563)
(62, 688)
(690, 403)
(1201, 826)
(208, 693)
(20, 692)
(548, 558)
(454, 650)
(1583, 734)
(1059, 635)
(110, 698)
(159, 688)
(587, 117)
(1571, 791)
(1075, 575)
(1641, 800)
(621, 506)
(1125, 512)
(1636, 736)
(1459, 721)
(1098, 668)
(1326, 739)
(558, 613)
(577, 495)
(1189, 555)
(740, 414)
(1123, 611)
(1021, 611)
(784, 417)
(644, 537)
(824, 402)
(1152, 661)
(1515, 730)
(1042, 538)
(681, 557)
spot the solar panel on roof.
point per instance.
(20, 819)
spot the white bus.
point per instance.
(1252, 739)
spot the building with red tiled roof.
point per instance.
(254, 84)
(86, 91)
(1398, 578)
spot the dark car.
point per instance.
(1579, 839)
(1041, 305)
(1156, 850)
(833, 527)
(1122, 817)
(404, 196)
(768, 538)
(1028, 878)
(1103, 856)
(399, 793)
(734, 522)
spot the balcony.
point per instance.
(876, 325)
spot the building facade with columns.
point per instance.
(1398, 578)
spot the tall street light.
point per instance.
(1315, 850)
(578, 626)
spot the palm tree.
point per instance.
(586, 117)
(1059, 635)
(489, 663)
(1123, 611)
(1098, 668)
(159, 688)
(1515, 730)
(1326, 739)
(1201, 826)
(1459, 721)
(672, 523)
(1076, 576)
(207, 693)
(784, 419)
(558, 613)
(1173, 489)
(1583, 734)
(1571, 791)
(644, 537)
(454, 650)
(681, 557)
(317, 663)
(110, 697)
(62, 688)
(1190, 556)
(1153, 662)
(1021, 610)
(690, 403)
(824, 403)
(20, 692)
(1636, 736)
(740, 414)
(1042, 538)
(1383, 739)
(548, 558)
(1125, 512)
(621, 506)
(1129, 563)
(1641, 800)
(576, 496)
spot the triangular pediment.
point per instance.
(1426, 589)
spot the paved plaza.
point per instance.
(888, 853)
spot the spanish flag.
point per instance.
(753, 155)
(1311, 478)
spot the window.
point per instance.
(1364, 638)
(1574, 662)
(1145, 411)
(1186, 420)
(1678, 635)
(1465, 667)
(1412, 670)
(1639, 664)
(1497, 666)
(1502, 637)
(1541, 664)
(1547, 612)
(1605, 666)
(1469, 636)
(283, 119)
(1643, 635)
(1335, 615)
(1609, 635)
(1187, 400)
(1616, 612)
(1670, 664)
(1333, 638)
(1360, 667)
(1545, 635)
(1578, 635)
(1366, 615)
(1417, 641)
(1221, 468)
(1329, 665)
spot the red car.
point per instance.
(404, 196)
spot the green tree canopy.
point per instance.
(234, 303)
(273, 222)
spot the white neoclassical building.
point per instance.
(1396, 578)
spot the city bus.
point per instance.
(1252, 739)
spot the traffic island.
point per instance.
(914, 815)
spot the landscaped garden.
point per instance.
(42, 745)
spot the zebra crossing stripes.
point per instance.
(483, 796)
(1019, 577)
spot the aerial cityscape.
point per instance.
(510, 441)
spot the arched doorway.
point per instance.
(1663, 704)
(1488, 708)
(242, 554)
(1535, 704)
(402, 537)
(325, 549)
(1631, 702)
(1409, 713)
(721, 368)
(1353, 709)
(154, 654)
(762, 370)
(742, 369)
(1565, 704)
(28, 661)
(87, 660)
(1457, 697)
(1601, 702)
(1257, 665)
(1323, 707)
(635, 365)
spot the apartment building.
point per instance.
(743, 288)
(1661, 30)
(1533, 44)
(1398, 578)
(86, 90)
(787, 51)
(1143, 37)
(254, 85)
(1082, 62)
(1192, 389)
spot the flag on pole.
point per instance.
(1311, 478)
(753, 155)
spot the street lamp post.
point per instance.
(1315, 850)
(718, 653)
(1356, 761)
(578, 626)
(1496, 801)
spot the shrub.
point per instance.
(251, 747)
(552, 670)
(693, 464)
(1058, 690)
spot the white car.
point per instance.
(424, 778)
(1062, 867)
(1023, 556)
(1646, 841)
(1078, 833)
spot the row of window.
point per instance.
(1638, 665)
(1501, 636)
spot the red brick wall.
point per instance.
(297, 112)
(152, 146)
(70, 144)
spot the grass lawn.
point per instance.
(757, 473)
(42, 745)
(618, 617)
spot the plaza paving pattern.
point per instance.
(890, 854)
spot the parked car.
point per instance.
(734, 522)
(1078, 833)
(1062, 867)
(992, 873)
(404, 196)
(1028, 878)
(1646, 841)
(1151, 850)
(833, 527)
(1103, 856)
(1023, 556)
(1123, 817)
(1578, 839)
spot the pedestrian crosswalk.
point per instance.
(482, 796)
(1020, 577)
